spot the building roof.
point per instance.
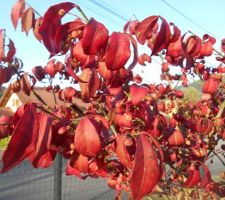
(48, 97)
(6, 111)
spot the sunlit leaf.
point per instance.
(17, 12)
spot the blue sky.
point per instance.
(207, 13)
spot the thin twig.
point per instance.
(82, 13)
(219, 53)
(50, 81)
(113, 130)
(48, 112)
(221, 110)
(73, 14)
(34, 10)
(219, 158)
(54, 97)
(39, 98)
(210, 151)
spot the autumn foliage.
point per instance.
(142, 138)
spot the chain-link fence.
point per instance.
(25, 182)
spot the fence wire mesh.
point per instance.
(25, 182)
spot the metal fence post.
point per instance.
(58, 177)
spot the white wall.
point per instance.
(13, 102)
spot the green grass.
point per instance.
(4, 142)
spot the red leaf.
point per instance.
(102, 119)
(135, 52)
(23, 140)
(160, 151)
(63, 32)
(2, 52)
(69, 93)
(25, 84)
(130, 27)
(204, 126)
(222, 46)
(5, 74)
(15, 86)
(79, 55)
(42, 156)
(209, 38)
(223, 147)
(37, 25)
(117, 51)
(86, 74)
(5, 126)
(176, 138)
(193, 179)
(163, 37)
(95, 37)
(27, 20)
(146, 170)
(165, 67)
(112, 182)
(97, 167)
(174, 48)
(206, 49)
(137, 93)
(51, 22)
(19, 114)
(137, 79)
(89, 137)
(193, 45)
(176, 34)
(93, 82)
(221, 191)
(17, 12)
(11, 51)
(124, 120)
(79, 162)
(50, 68)
(179, 94)
(157, 126)
(103, 71)
(125, 148)
(38, 72)
(210, 86)
(145, 28)
(144, 57)
(72, 74)
(72, 171)
(186, 50)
